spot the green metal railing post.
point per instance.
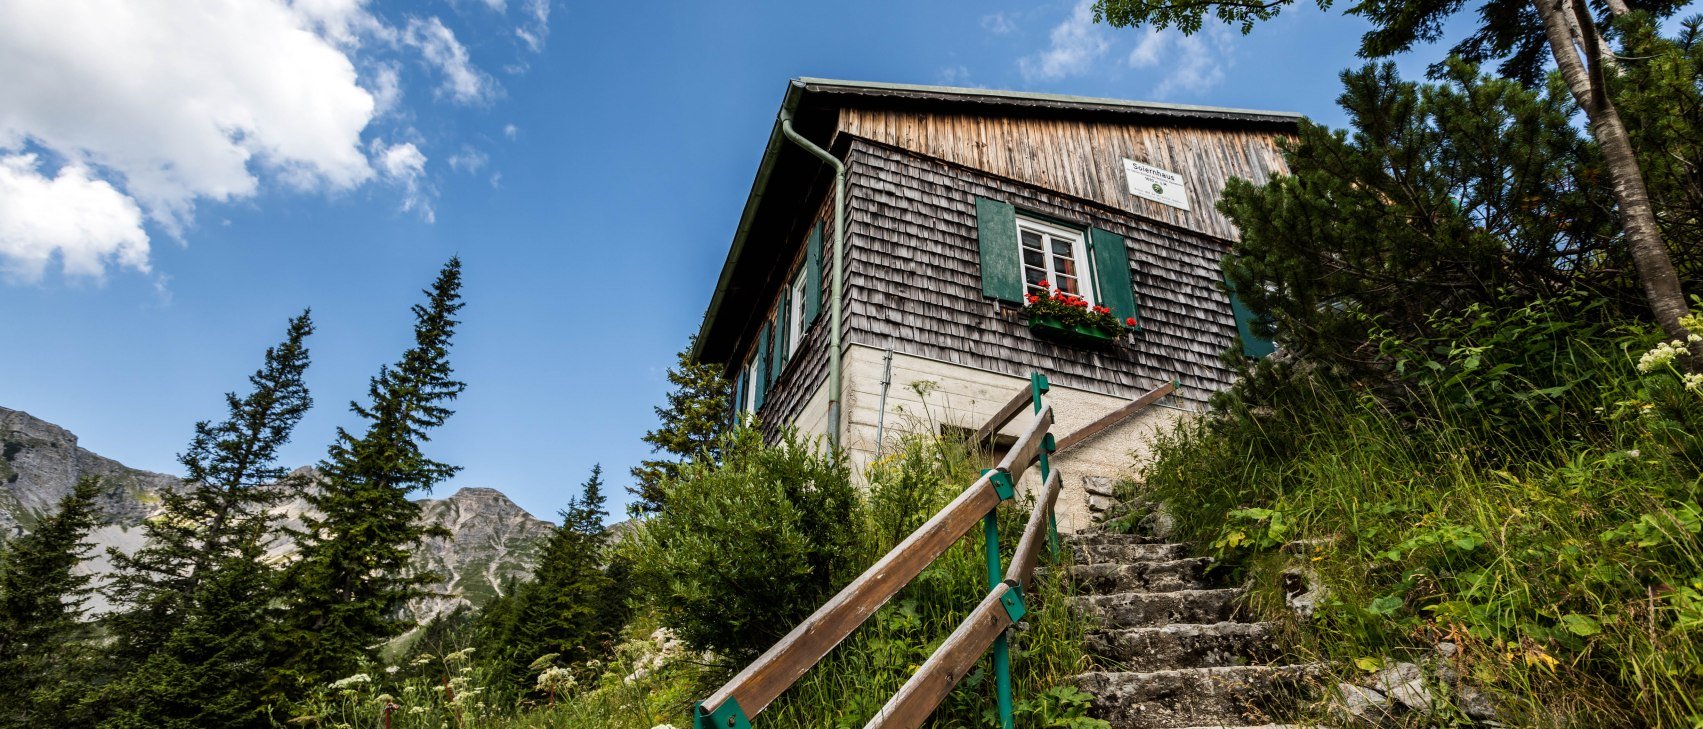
(1003, 486)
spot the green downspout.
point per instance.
(839, 257)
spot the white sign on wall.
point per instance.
(1161, 186)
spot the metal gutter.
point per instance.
(838, 269)
(1057, 101)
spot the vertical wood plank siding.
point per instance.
(1084, 158)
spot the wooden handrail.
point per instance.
(946, 666)
(1116, 416)
(1027, 449)
(773, 672)
(1034, 533)
(1023, 399)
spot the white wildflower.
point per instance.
(1661, 356)
(1634, 453)
(392, 669)
(555, 679)
(1694, 382)
(417, 709)
(458, 656)
(351, 681)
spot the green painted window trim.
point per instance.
(761, 362)
(1110, 254)
(1001, 262)
(783, 332)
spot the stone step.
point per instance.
(1097, 537)
(1126, 552)
(1154, 609)
(1186, 645)
(1235, 696)
(1165, 576)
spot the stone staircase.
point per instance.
(1171, 650)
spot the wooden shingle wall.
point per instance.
(914, 281)
(1084, 158)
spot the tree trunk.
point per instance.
(1638, 218)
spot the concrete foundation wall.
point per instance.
(926, 394)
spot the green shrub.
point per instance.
(750, 545)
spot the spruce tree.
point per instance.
(566, 608)
(42, 634)
(351, 578)
(233, 477)
(696, 415)
(189, 634)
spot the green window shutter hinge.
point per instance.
(726, 716)
(1001, 263)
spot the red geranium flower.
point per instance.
(1130, 321)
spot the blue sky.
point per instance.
(173, 202)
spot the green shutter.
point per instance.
(813, 275)
(738, 395)
(783, 332)
(1111, 272)
(1002, 266)
(761, 362)
(1249, 328)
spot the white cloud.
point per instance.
(462, 82)
(1074, 46)
(1191, 64)
(83, 221)
(536, 26)
(468, 160)
(999, 23)
(511, 131)
(404, 164)
(118, 114)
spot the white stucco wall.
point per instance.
(966, 397)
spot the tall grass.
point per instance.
(1518, 488)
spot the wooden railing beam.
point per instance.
(1034, 533)
(1023, 399)
(1116, 416)
(947, 666)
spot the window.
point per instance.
(795, 318)
(751, 385)
(1056, 255)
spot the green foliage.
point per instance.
(1660, 95)
(42, 638)
(192, 601)
(1523, 491)
(746, 547)
(1506, 30)
(572, 607)
(690, 427)
(351, 578)
(1444, 195)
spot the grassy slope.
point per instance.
(1534, 499)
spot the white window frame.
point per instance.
(795, 317)
(751, 384)
(1078, 240)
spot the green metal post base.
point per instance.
(726, 716)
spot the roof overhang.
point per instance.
(774, 220)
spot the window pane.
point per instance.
(1061, 247)
(1031, 239)
(1066, 284)
(1034, 275)
(1034, 258)
(1066, 266)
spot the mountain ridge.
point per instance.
(492, 542)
